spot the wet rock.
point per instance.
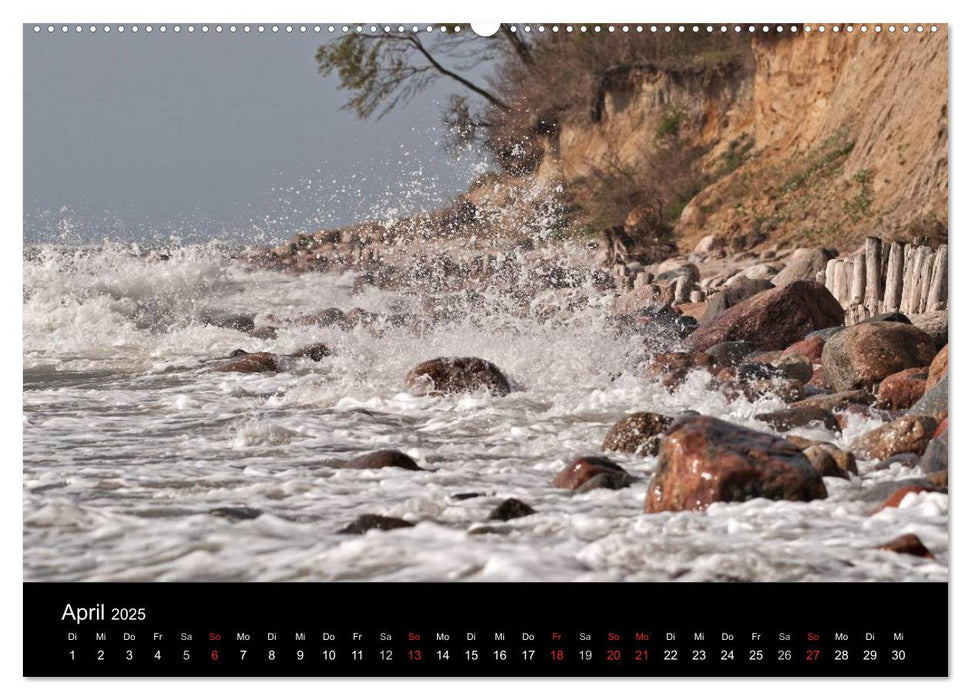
(934, 323)
(837, 401)
(907, 544)
(803, 264)
(363, 523)
(939, 480)
(731, 352)
(878, 493)
(845, 461)
(795, 367)
(638, 433)
(381, 459)
(510, 509)
(772, 320)
(666, 362)
(788, 390)
(938, 369)
(264, 333)
(823, 462)
(250, 362)
(894, 316)
(451, 375)
(790, 418)
(704, 460)
(941, 428)
(327, 317)
(584, 469)
(933, 402)
(316, 352)
(860, 356)
(905, 434)
(824, 333)
(902, 389)
(238, 352)
(237, 322)
(235, 513)
(934, 458)
(732, 295)
(810, 347)
(466, 496)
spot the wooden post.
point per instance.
(859, 279)
(839, 282)
(895, 277)
(831, 275)
(927, 272)
(917, 278)
(937, 295)
(910, 250)
(873, 291)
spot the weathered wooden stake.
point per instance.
(873, 291)
(894, 286)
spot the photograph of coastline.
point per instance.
(415, 304)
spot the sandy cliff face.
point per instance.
(828, 138)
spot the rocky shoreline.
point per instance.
(751, 324)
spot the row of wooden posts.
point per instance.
(889, 275)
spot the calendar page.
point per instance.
(438, 349)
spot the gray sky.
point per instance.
(126, 133)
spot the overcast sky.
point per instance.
(211, 132)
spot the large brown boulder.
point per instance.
(453, 375)
(638, 433)
(860, 356)
(772, 320)
(704, 460)
(905, 434)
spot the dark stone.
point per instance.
(933, 402)
(363, 523)
(315, 352)
(859, 357)
(384, 458)
(789, 418)
(838, 401)
(250, 362)
(894, 316)
(731, 352)
(236, 513)
(584, 469)
(466, 496)
(448, 375)
(907, 544)
(704, 460)
(510, 509)
(637, 433)
(236, 322)
(825, 333)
